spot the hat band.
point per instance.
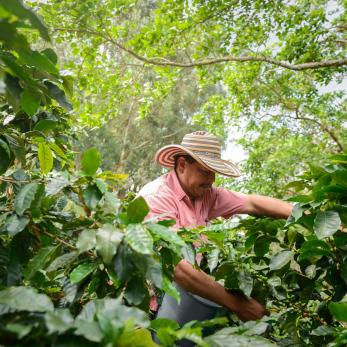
(209, 154)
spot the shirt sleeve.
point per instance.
(226, 203)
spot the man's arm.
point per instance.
(265, 206)
(198, 282)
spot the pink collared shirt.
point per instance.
(166, 196)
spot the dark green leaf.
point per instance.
(62, 261)
(45, 125)
(313, 248)
(5, 156)
(59, 95)
(17, 8)
(323, 330)
(344, 271)
(82, 271)
(135, 291)
(137, 210)
(25, 198)
(123, 262)
(91, 161)
(92, 196)
(261, 246)
(108, 239)
(37, 60)
(280, 260)
(40, 260)
(51, 55)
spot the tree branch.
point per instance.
(323, 127)
(159, 61)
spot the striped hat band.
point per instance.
(204, 147)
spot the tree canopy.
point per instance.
(260, 70)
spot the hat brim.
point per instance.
(166, 157)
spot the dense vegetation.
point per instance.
(78, 265)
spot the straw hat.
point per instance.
(204, 147)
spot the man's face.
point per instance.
(194, 178)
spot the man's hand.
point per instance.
(198, 282)
(246, 308)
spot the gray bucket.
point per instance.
(191, 307)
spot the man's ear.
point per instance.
(181, 164)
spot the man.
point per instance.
(186, 194)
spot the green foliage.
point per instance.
(297, 268)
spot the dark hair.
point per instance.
(186, 157)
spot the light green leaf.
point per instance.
(108, 239)
(326, 224)
(45, 157)
(20, 329)
(102, 186)
(82, 271)
(280, 259)
(222, 339)
(91, 161)
(339, 310)
(166, 234)
(139, 239)
(59, 321)
(86, 240)
(15, 224)
(90, 330)
(170, 289)
(245, 281)
(25, 299)
(56, 184)
(30, 102)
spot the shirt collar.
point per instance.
(174, 184)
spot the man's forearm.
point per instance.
(266, 206)
(199, 283)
